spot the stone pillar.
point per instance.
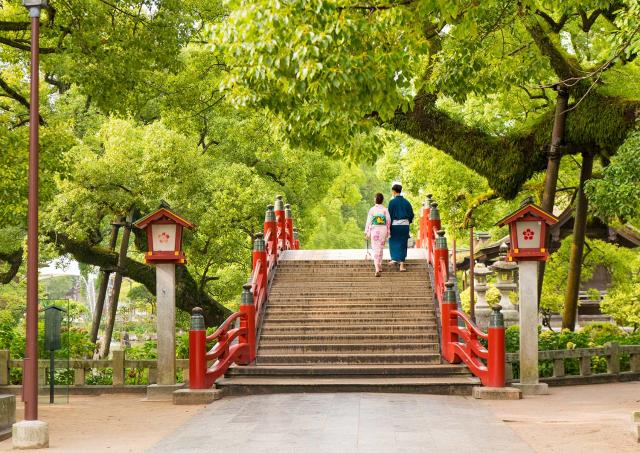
(529, 383)
(482, 309)
(166, 326)
(166, 303)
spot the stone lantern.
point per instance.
(482, 309)
(505, 283)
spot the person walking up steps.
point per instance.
(377, 230)
(401, 217)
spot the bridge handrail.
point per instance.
(459, 335)
(279, 235)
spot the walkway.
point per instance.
(571, 419)
(594, 418)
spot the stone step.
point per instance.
(352, 272)
(425, 300)
(348, 348)
(329, 313)
(345, 294)
(343, 263)
(278, 307)
(386, 277)
(330, 283)
(350, 321)
(311, 338)
(305, 329)
(437, 385)
(348, 370)
(346, 359)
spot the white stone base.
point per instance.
(532, 389)
(496, 393)
(30, 434)
(159, 392)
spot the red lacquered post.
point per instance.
(288, 219)
(249, 322)
(296, 239)
(280, 222)
(497, 351)
(449, 322)
(271, 226)
(441, 254)
(197, 350)
(260, 256)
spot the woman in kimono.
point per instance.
(401, 217)
(377, 230)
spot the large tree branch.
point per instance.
(506, 162)
(20, 46)
(186, 287)
(14, 26)
(15, 261)
(13, 94)
(566, 67)
(597, 123)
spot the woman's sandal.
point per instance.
(378, 274)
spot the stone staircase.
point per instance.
(331, 326)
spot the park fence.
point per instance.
(610, 363)
(120, 367)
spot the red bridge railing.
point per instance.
(279, 235)
(461, 340)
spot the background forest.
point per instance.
(217, 106)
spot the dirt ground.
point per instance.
(594, 418)
(108, 423)
(583, 418)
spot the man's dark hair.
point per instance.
(397, 188)
(379, 198)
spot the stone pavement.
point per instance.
(344, 422)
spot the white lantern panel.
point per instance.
(164, 237)
(529, 234)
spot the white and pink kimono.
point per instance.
(377, 230)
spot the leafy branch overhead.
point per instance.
(334, 70)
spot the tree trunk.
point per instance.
(186, 286)
(577, 248)
(115, 293)
(102, 293)
(553, 168)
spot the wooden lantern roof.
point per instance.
(161, 214)
(528, 209)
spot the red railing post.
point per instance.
(496, 347)
(288, 219)
(260, 256)
(434, 225)
(280, 222)
(296, 240)
(449, 322)
(440, 264)
(197, 350)
(248, 321)
(271, 229)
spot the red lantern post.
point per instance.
(527, 230)
(164, 240)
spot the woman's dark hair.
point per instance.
(397, 188)
(379, 198)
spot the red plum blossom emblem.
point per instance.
(528, 234)
(163, 237)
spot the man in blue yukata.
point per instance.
(401, 214)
